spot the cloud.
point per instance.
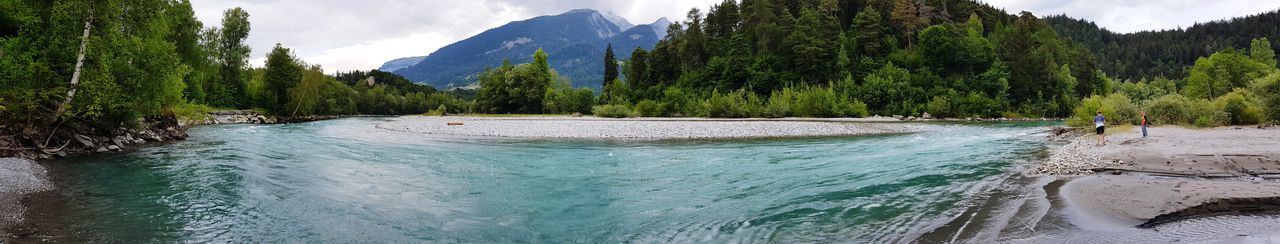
(351, 35)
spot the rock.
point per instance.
(898, 117)
(138, 141)
(118, 140)
(911, 118)
(577, 114)
(61, 154)
(85, 140)
(926, 116)
(102, 150)
(113, 148)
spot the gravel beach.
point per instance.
(18, 177)
(645, 129)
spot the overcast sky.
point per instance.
(350, 35)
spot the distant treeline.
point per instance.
(1166, 53)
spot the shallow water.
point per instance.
(346, 181)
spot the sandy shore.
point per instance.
(18, 177)
(590, 128)
(1175, 175)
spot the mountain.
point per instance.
(1165, 53)
(660, 27)
(619, 21)
(400, 63)
(575, 42)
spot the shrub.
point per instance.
(612, 111)
(1268, 89)
(1118, 109)
(1177, 109)
(679, 103)
(649, 108)
(815, 102)
(191, 112)
(780, 103)
(1241, 108)
(736, 104)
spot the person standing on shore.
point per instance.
(1144, 124)
(1099, 123)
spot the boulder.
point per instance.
(85, 140)
(113, 148)
(926, 116)
(102, 150)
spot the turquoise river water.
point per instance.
(346, 181)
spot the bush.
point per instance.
(1241, 108)
(780, 103)
(1118, 109)
(612, 111)
(1177, 109)
(736, 104)
(191, 112)
(680, 104)
(1268, 89)
(649, 108)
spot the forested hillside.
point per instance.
(108, 63)
(947, 57)
(1166, 53)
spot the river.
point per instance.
(347, 181)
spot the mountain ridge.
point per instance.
(575, 41)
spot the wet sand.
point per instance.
(1178, 184)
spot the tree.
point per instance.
(234, 58)
(610, 73)
(1222, 72)
(283, 72)
(813, 53)
(908, 15)
(1260, 50)
(637, 68)
(610, 66)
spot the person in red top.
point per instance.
(1144, 124)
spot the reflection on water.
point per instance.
(345, 181)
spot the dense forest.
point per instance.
(828, 58)
(109, 63)
(1166, 53)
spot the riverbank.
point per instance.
(642, 129)
(18, 178)
(1138, 185)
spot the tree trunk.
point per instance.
(75, 76)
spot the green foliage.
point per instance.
(1180, 110)
(735, 104)
(191, 112)
(650, 108)
(1268, 89)
(612, 111)
(1241, 108)
(1222, 72)
(283, 72)
(1260, 50)
(1118, 109)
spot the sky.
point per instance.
(343, 35)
